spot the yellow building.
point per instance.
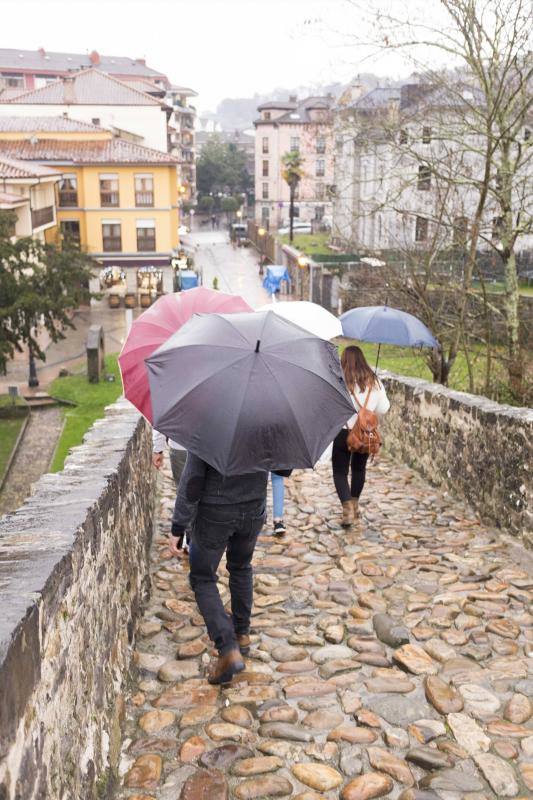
(116, 198)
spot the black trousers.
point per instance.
(342, 461)
(230, 529)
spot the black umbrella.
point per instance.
(248, 392)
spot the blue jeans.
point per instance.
(231, 529)
(278, 495)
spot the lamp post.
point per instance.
(261, 233)
(302, 262)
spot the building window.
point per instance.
(296, 211)
(96, 121)
(111, 237)
(70, 232)
(14, 81)
(68, 191)
(320, 168)
(460, 231)
(144, 189)
(424, 178)
(404, 138)
(145, 235)
(421, 229)
(497, 229)
(266, 114)
(321, 144)
(527, 134)
(320, 191)
(265, 169)
(426, 134)
(295, 144)
(109, 189)
(264, 193)
(265, 144)
(265, 216)
(319, 213)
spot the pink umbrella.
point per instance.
(155, 325)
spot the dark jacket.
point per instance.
(201, 483)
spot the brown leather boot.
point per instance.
(347, 514)
(225, 667)
(243, 640)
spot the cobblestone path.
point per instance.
(390, 661)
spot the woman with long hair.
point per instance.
(364, 387)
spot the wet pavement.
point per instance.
(390, 660)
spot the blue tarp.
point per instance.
(188, 279)
(275, 273)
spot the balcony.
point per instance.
(112, 244)
(144, 198)
(68, 199)
(109, 199)
(41, 216)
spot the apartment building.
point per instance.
(22, 70)
(406, 170)
(304, 126)
(116, 199)
(183, 138)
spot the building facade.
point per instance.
(116, 199)
(183, 139)
(304, 126)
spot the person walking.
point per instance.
(365, 389)
(278, 501)
(227, 513)
(178, 456)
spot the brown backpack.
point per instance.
(364, 436)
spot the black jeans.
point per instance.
(341, 461)
(230, 529)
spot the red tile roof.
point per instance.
(12, 167)
(45, 124)
(50, 61)
(89, 87)
(105, 151)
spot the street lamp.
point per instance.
(302, 262)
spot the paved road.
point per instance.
(237, 269)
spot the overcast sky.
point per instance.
(221, 48)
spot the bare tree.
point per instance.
(460, 136)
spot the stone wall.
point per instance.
(73, 574)
(476, 448)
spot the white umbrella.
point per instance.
(309, 316)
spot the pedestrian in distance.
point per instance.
(227, 513)
(278, 502)
(367, 392)
(213, 222)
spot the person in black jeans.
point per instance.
(228, 513)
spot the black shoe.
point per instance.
(279, 528)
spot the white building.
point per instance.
(406, 165)
(95, 97)
(28, 190)
(304, 126)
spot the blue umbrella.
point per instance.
(385, 325)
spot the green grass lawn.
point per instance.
(90, 399)
(498, 288)
(412, 363)
(309, 243)
(9, 430)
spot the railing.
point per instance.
(144, 198)
(112, 244)
(41, 216)
(109, 198)
(67, 198)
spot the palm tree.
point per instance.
(292, 174)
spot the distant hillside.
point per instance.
(238, 113)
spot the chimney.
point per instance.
(141, 61)
(68, 91)
(94, 58)
(42, 52)
(293, 98)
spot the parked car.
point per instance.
(238, 233)
(298, 227)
